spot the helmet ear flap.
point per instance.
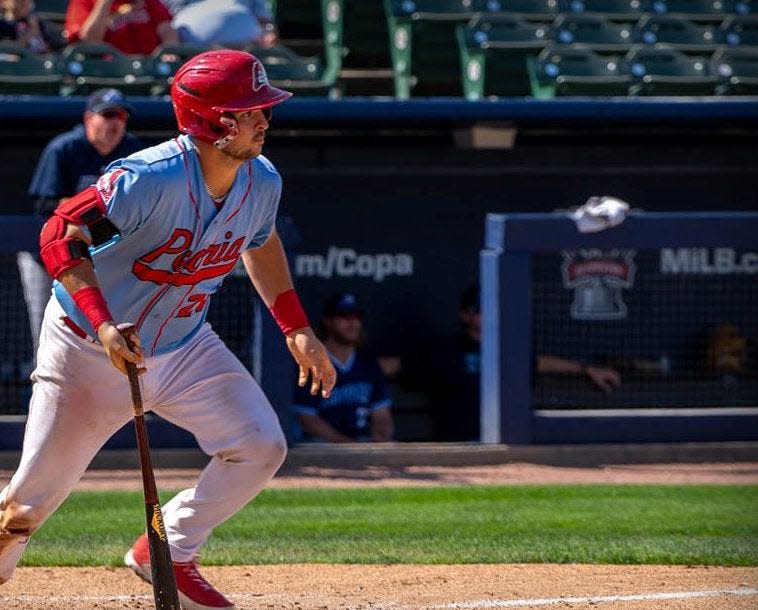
(232, 130)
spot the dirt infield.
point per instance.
(419, 587)
(351, 587)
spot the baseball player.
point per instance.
(360, 407)
(150, 243)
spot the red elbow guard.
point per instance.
(87, 208)
(60, 253)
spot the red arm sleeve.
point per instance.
(76, 13)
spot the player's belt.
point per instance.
(76, 329)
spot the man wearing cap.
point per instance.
(359, 408)
(69, 163)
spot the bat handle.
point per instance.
(128, 330)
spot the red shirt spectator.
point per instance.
(132, 26)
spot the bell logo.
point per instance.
(597, 278)
(259, 76)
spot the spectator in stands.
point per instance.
(132, 26)
(230, 23)
(21, 25)
(69, 163)
(359, 408)
(455, 395)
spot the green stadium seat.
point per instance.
(738, 30)
(313, 28)
(92, 65)
(677, 31)
(737, 69)
(595, 31)
(23, 72)
(425, 57)
(494, 51)
(167, 59)
(576, 70)
(662, 70)
(301, 75)
(612, 9)
(51, 10)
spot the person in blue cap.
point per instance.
(360, 406)
(69, 163)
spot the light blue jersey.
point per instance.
(175, 247)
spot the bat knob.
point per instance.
(127, 330)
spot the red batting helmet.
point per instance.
(217, 82)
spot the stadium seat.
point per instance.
(313, 28)
(23, 72)
(595, 31)
(737, 69)
(737, 30)
(696, 9)
(301, 75)
(425, 57)
(51, 10)
(662, 70)
(540, 10)
(91, 65)
(577, 70)
(366, 63)
(365, 35)
(494, 51)
(677, 31)
(167, 59)
(613, 9)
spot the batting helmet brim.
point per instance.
(271, 97)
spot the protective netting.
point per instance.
(678, 324)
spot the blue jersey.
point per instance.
(69, 164)
(175, 247)
(360, 390)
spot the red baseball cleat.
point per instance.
(195, 593)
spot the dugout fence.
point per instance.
(669, 300)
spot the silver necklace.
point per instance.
(212, 196)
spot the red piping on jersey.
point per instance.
(150, 306)
(244, 197)
(165, 289)
(189, 185)
(166, 321)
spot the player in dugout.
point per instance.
(150, 243)
(360, 407)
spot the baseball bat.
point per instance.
(164, 582)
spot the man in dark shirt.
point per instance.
(456, 396)
(69, 163)
(359, 408)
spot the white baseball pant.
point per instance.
(79, 400)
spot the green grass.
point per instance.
(715, 525)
